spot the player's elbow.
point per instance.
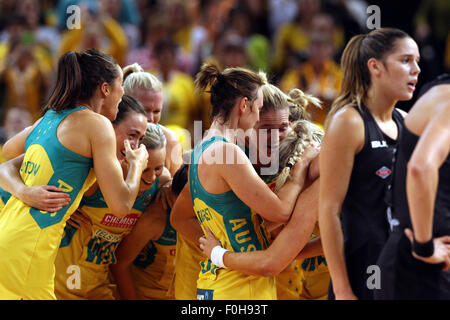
(419, 169)
(269, 268)
(121, 209)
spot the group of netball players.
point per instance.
(99, 204)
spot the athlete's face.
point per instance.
(272, 127)
(152, 103)
(400, 70)
(113, 96)
(131, 128)
(155, 166)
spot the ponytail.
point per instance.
(134, 77)
(356, 79)
(79, 75)
(304, 134)
(228, 86)
(298, 104)
(68, 83)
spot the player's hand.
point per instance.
(441, 252)
(45, 198)
(138, 156)
(208, 243)
(165, 196)
(78, 218)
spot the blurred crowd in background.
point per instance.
(298, 44)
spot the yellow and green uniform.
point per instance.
(29, 238)
(289, 280)
(238, 229)
(187, 267)
(92, 248)
(2, 156)
(4, 197)
(316, 277)
(154, 267)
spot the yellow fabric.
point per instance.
(291, 38)
(289, 282)
(183, 38)
(325, 84)
(27, 247)
(183, 136)
(2, 156)
(229, 284)
(72, 40)
(92, 249)
(187, 268)
(226, 283)
(154, 281)
(180, 100)
(316, 277)
(26, 88)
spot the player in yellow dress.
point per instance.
(219, 187)
(73, 137)
(91, 247)
(146, 257)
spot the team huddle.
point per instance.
(101, 202)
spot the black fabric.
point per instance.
(364, 222)
(404, 276)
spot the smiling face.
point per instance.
(131, 128)
(155, 166)
(401, 70)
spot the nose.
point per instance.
(416, 68)
(150, 117)
(134, 144)
(154, 176)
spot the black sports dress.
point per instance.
(363, 218)
(405, 277)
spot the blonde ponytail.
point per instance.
(134, 77)
(304, 134)
(298, 104)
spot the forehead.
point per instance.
(156, 157)
(405, 46)
(274, 118)
(148, 98)
(133, 121)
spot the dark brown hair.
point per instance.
(356, 76)
(79, 75)
(227, 87)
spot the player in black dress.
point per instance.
(356, 158)
(416, 265)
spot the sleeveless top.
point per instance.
(154, 267)
(407, 143)
(92, 248)
(238, 229)
(30, 238)
(364, 210)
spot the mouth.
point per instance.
(412, 85)
(149, 183)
